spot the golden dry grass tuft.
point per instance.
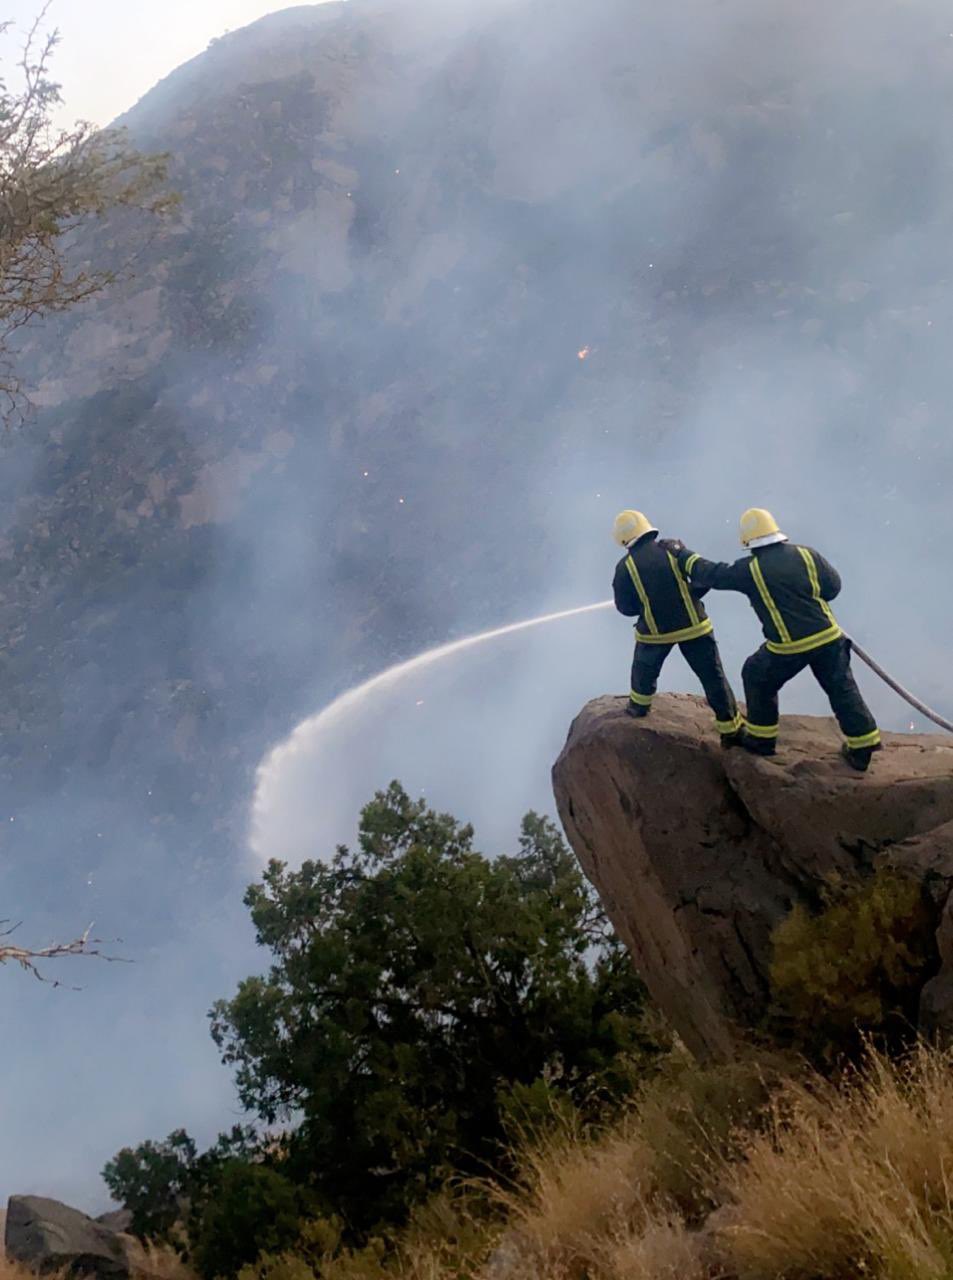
(573, 1193)
(156, 1262)
(713, 1174)
(10, 1270)
(147, 1262)
(853, 1181)
(662, 1248)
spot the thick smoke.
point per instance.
(453, 283)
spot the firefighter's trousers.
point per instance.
(703, 658)
(766, 673)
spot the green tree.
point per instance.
(415, 982)
(166, 1185)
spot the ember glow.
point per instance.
(585, 353)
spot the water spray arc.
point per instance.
(317, 727)
(335, 713)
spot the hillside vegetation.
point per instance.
(452, 1073)
(743, 1173)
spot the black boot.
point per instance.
(858, 757)
(637, 713)
(759, 746)
(736, 739)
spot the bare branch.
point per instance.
(28, 959)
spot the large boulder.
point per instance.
(49, 1236)
(698, 853)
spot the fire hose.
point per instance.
(897, 687)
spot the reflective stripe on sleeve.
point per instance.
(691, 562)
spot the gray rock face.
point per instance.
(116, 1219)
(49, 1236)
(698, 853)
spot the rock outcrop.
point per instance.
(48, 1236)
(698, 853)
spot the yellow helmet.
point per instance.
(760, 529)
(630, 526)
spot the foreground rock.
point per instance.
(698, 853)
(48, 1236)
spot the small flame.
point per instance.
(585, 353)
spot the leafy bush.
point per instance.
(857, 967)
(250, 1209)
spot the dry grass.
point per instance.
(155, 1262)
(851, 1182)
(13, 1270)
(148, 1262)
(662, 1249)
(573, 1193)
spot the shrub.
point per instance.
(857, 967)
(251, 1209)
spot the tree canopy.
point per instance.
(414, 983)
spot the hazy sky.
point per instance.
(113, 51)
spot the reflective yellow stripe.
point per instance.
(642, 699)
(647, 613)
(787, 646)
(730, 726)
(807, 643)
(691, 562)
(687, 600)
(816, 585)
(763, 730)
(768, 600)
(866, 740)
(704, 628)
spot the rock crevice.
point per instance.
(699, 853)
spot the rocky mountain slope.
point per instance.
(698, 854)
(434, 262)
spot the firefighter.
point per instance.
(790, 588)
(650, 586)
